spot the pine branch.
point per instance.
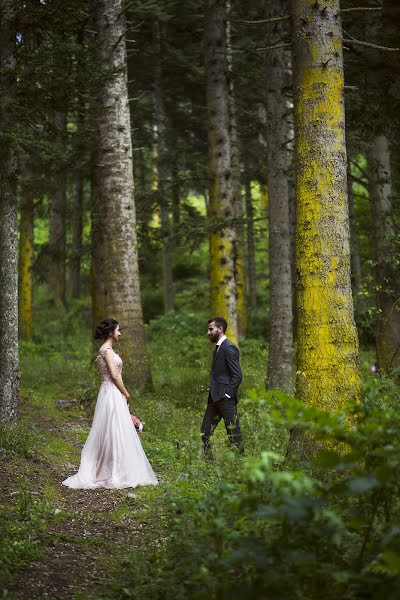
(270, 20)
(279, 45)
(369, 45)
(360, 9)
(360, 169)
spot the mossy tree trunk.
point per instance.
(221, 203)
(114, 183)
(327, 345)
(25, 265)
(9, 372)
(280, 358)
(384, 243)
(162, 166)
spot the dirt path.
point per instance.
(86, 544)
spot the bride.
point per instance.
(112, 456)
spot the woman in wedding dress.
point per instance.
(112, 456)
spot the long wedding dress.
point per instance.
(112, 456)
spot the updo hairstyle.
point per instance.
(105, 329)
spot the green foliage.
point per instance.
(21, 521)
(267, 530)
(23, 439)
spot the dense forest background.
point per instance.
(164, 163)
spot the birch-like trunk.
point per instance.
(384, 240)
(327, 345)
(25, 265)
(221, 204)
(9, 372)
(161, 166)
(280, 358)
(114, 183)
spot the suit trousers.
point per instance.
(215, 411)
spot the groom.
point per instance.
(225, 378)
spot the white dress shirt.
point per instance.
(218, 344)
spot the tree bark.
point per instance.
(280, 358)
(77, 211)
(161, 165)
(251, 256)
(243, 323)
(9, 372)
(25, 265)
(388, 289)
(114, 183)
(97, 230)
(221, 206)
(327, 345)
(77, 207)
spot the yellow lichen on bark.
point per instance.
(327, 340)
(222, 280)
(25, 269)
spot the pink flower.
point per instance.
(373, 369)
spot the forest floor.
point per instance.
(84, 540)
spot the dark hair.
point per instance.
(105, 329)
(220, 322)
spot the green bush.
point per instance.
(273, 531)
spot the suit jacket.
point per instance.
(225, 373)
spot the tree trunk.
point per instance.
(114, 176)
(251, 256)
(25, 266)
(264, 201)
(161, 163)
(176, 194)
(9, 372)
(237, 191)
(77, 210)
(327, 345)
(354, 247)
(97, 287)
(388, 289)
(280, 358)
(57, 225)
(221, 207)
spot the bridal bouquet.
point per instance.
(137, 423)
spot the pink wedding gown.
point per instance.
(112, 456)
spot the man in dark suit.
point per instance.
(225, 378)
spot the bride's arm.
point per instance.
(116, 377)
